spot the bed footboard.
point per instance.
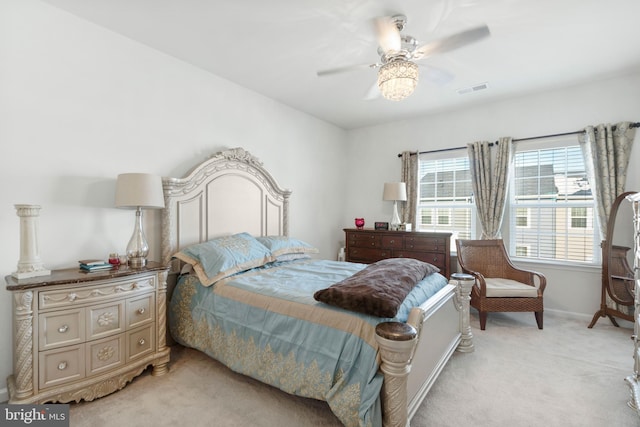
(414, 353)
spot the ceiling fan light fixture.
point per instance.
(397, 79)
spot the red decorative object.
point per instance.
(113, 259)
(359, 223)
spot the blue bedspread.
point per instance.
(264, 323)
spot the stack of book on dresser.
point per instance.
(94, 265)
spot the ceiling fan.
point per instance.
(398, 73)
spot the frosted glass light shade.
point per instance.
(397, 79)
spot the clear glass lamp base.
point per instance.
(138, 248)
(137, 262)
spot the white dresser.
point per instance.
(79, 335)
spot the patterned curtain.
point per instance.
(490, 187)
(410, 178)
(606, 156)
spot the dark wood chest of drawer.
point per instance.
(367, 246)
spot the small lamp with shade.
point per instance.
(397, 192)
(139, 191)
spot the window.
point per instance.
(445, 200)
(552, 208)
(579, 218)
(522, 251)
(522, 217)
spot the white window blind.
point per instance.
(552, 208)
(445, 201)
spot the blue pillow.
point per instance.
(224, 256)
(281, 245)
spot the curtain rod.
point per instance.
(633, 125)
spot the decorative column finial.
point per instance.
(29, 264)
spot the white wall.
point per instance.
(610, 100)
(80, 104)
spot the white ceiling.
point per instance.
(275, 47)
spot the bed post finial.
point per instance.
(397, 342)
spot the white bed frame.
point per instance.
(231, 192)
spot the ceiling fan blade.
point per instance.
(388, 34)
(372, 93)
(435, 75)
(452, 42)
(344, 69)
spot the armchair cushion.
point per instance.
(500, 288)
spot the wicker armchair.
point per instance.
(500, 286)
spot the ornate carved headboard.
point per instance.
(231, 192)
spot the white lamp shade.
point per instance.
(135, 190)
(395, 191)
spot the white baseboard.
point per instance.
(4, 395)
(563, 313)
(587, 317)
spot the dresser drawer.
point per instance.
(60, 328)
(140, 342)
(424, 243)
(140, 310)
(364, 240)
(100, 293)
(434, 258)
(393, 242)
(105, 319)
(105, 354)
(61, 366)
(366, 255)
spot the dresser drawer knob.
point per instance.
(141, 341)
(141, 310)
(64, 328)
(62, 366)
(392, 241)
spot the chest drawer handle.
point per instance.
(141, 310)
(62, 366)
(64, 328)
(141, 341)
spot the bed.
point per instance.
(263, 314)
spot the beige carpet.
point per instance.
(565, 375)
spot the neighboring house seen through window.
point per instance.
(550, 212)
(445, 200)
(552, 208)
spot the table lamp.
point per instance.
(396, 191)
(139, 191)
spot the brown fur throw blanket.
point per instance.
(379, 289)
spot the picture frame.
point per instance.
(381, 225)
